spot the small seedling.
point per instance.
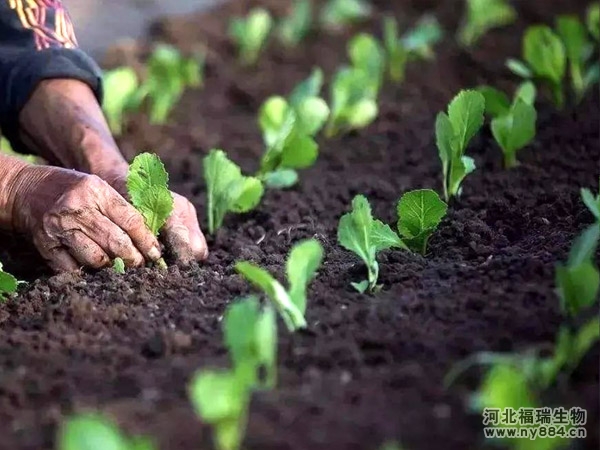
(293, 28)
(513, 125)
(119, 86)
(250, 332)
(227, 189)
(420, 213)
(453, 132)
(578, 281)
(545, 60)
(148, 189)
(579, 48)
(482, 16)
(95, 432)
(359, 233)
(251, 33)
(397, 54)
(302, 264)
(119, 266)
(592, 201)
(419, 41)
(221, 399)
(592, 20)
(337, 14)
(168, 74)
(367, 54)
(8, 284)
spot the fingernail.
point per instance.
(154, 254)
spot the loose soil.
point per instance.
(369, 368)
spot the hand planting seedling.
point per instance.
(95, 432)
(147, 186)
(578, 281)
(592, 201)
(337, 14)
(250, 34)
(119, 86)
(513, 125)
(416, 43)
(545, 60)
(482, 16)
(8, 284)
(227, 190)
(581, 54)
(453, 132)
(221, 399)
(293, 28)
(420, 213)
(250, 332)
(359, 233)
(301, 266)
(168, 74)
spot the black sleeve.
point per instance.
(37, 42)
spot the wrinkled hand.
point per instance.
(79, 220)
(181, 233)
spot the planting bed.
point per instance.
(369, 368)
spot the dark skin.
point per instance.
(77, 214)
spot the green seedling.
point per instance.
(119, 266)
(545, 60)
(578, 280)
(579, 48)
(482, 16)
(293, 28)
(95, 432)
(251, 33)
(416, 43)
(592, 20)
(592, 201)
(498, 104)
(420, 213)
(119, 86)
(168, 74)
(227, 189)
(453, 132)
(148, 189)
(221, 399)
(288, 129)
(302, 264)
(365, 236)
(8, 284)
(250, 332)
(367, 54)
(337, 14)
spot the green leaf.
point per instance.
(444, 134)
(119, 266)
(251, 33)
(302, 264)
(250, 334)
(383, 237)
(294, 27)
(221, 399)
(312, 113)
(361, 287)
(585, 245)
(514, 130)
(519, 68)
(292, 316)
(574, 37)
(466, 115)
(8, 284)
(583, 341)
(526, 92)
(147, 186)
(274, 120)
(593, 20)
(367, 54)
(397, 53)
(592, 202)
(308, 88)
(461, 167)
(482, 16)
(227, 189)
(339, 13)
(497, 102)
(504, 387)
(420, 39)
(119, 85)
(420, 213)
(280, 179)
(90, 432)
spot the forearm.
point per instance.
(63, 123)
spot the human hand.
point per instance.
(78, 220)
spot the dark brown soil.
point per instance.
(369, 369)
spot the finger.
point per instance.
(57, 257)
(197, 239)
(113, 240)
(131, 221)
(83, 249)
(177, 238)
